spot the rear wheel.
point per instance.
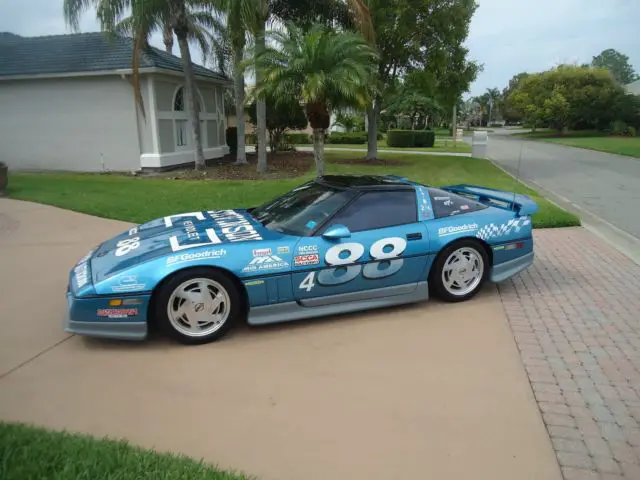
(198, 306)
(459, 271)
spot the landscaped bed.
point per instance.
(141, 198)
(34, 453)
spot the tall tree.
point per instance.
(413, 34)
(617, 63)
(147, 16)
(494, 99)
(323, 69)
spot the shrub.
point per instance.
(232, 138)
(424, 138)
(400, 138)
(621, 129)
(380, 136)
(299, 138)
(353, 138)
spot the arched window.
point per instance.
(178, 100)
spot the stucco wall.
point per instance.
(83, 124)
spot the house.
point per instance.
(633, 87)
(67, 103)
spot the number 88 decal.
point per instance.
(344, 272)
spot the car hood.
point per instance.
(174, 235)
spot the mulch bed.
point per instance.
(280, 165)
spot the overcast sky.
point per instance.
(507, 36)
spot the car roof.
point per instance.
(366, 182)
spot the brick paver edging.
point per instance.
(575, 316)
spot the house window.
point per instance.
(178, 100)
(181, 133)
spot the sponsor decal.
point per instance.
(311, 259)
(424, 204)
(311, 224)
(305, 249)
(499, 247)
(514, 246)
(270, 262)
(283, 250)
(128, 283)
(191, 230)
(117, 312)
(85, 258)
(442, 198)
(454, 229)
(254, 282)
(134, 231)
(190, 257)
(464, 207)
(261, 252)
(235, 227)
(81, 273)
(512, 226)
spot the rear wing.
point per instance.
(522, 205)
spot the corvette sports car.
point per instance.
(335, 244)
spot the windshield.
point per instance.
(302, 209)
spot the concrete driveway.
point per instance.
(427, 391)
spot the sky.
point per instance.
(506, 36)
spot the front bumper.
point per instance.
(99, 317)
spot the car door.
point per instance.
(374, 247)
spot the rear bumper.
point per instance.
(99, 317)
(504, 270)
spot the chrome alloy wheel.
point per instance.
(462, 271)
(198, 307)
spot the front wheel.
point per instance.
(459, 271)
(198, 306)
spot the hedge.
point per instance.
(352, 138)
(411, 138)
(299, 138)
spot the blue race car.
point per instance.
(333, 245)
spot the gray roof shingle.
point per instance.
(82, 52)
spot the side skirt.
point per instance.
(336, 304)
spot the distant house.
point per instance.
(633, 87)
(67, 103)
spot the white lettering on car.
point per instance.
(211, 234)
(452, 230)
(345, 264)
(126, 245)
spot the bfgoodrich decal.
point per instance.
(454, 229)
(190, 257)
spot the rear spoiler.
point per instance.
(521, 204)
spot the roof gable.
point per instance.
(81, 53)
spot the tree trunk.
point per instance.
(261, 107)
(238, 87)
(318, 150)
(454, 124)
(372, 131)
(190, 87)
(167, 37)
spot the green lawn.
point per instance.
(33, 453)
(591, 140)
(441, 145)
(138, 199)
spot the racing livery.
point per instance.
(333, 245)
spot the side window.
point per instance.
(379, 210)
(446, 203)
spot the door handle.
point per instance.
(414, 236)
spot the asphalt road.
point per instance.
(599, 186)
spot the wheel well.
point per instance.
(151, 314)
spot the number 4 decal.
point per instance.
(307, 284)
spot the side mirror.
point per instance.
(335, 232)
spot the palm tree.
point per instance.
(147, 16)
(324, 69)
(494, 97)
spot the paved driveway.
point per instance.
(428, 391)
(600, 184)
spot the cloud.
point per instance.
(516, 36)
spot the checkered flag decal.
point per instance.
(492, 230)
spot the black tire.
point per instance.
(163, 296)
(438, 287)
